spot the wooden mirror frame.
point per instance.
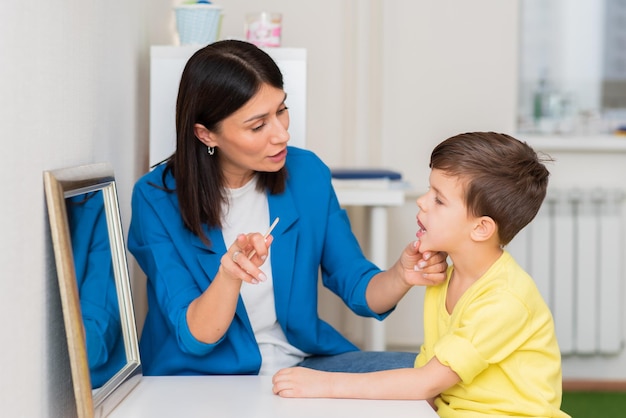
(60, 185)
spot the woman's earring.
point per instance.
(210, 150)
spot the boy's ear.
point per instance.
(204, 135)
(484, 229)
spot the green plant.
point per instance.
(594, 404)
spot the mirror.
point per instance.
(94, 285)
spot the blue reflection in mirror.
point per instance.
(96, 286)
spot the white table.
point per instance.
(247, 397)
(377, 201)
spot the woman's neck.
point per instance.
(237, 181)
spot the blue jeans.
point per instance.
(361, 361)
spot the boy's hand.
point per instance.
(301, 382)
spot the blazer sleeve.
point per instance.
(159, 242)
(345, 269)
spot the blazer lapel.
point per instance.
(283, 249)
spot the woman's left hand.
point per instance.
(427, 268)
(413, 268)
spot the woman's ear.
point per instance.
(204, 135)
(484, 229)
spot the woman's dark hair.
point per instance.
(216, 82)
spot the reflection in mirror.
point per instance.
(94, 285)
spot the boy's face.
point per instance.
(443, 221)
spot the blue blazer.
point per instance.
(313, 235)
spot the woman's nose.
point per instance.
(281, 134)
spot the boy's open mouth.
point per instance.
(421, 231)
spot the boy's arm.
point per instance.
(417, 383)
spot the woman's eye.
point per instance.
(280, 111)
(258, 128)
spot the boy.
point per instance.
(489, 345)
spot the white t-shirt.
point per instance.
(247, 212)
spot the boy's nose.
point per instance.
(419, 202)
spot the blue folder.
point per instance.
(365, 173)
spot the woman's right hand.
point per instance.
(210, 315)
(245, 256)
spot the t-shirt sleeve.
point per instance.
(491, 328)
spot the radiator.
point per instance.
(574, 251)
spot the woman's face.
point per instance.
(254, 138)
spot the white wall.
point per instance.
(73, 90)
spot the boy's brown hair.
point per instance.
(503, 178)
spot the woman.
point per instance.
(220, 302)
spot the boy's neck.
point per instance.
(472, 266)
(468, 268)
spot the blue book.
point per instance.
(365, 173)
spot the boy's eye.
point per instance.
(437, 201)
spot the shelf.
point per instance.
(575, 143)
(369, 196)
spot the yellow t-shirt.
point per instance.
(500, 340)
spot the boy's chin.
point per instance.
(425, 246)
